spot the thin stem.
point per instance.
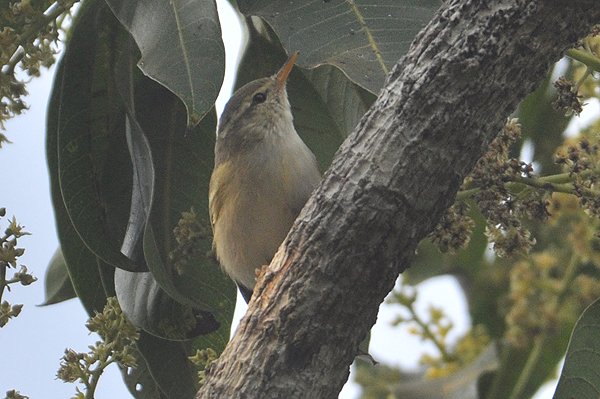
(90, 387)
(585, 57)
(532, 361)
(588, 72)
(430, 335)
(497, 388)
(3, 283)
(568, 188)
(468, 193)
(95, 375)
(566, 177)
(3, 267)
(561, 183)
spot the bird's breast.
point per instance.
(254, 199)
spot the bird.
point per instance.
(262, 177)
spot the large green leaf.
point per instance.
(94, 170)
(181, 47)
(580, 376)
(149, 307)
(343, 100)
(81, 263)
(169, 366)
(183, 164)
(364, 38)
(57, 282)
(139, 380)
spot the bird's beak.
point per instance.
(285, 70)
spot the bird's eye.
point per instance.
(259, 98)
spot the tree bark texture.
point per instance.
(389, 184)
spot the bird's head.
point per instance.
(257, 110)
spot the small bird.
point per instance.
(263, 176)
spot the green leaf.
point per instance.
(127, 77)
(344, 101)
(139, 381)
(94, 170)
(364, 38)
(168, 364)
(181, 186)
(57, 282)
(80, 261)
(580, 376)
(147, 306)
(181, 48)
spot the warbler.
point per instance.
(262, 177)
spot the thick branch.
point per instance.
(386, 189)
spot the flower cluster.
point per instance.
(558, 282)
(491, 186)
(189, 233)
(12, 394)
(568, 99)
(30, 30)
(466, 350)
(453, 232)
(117, 346)
(580, 161)
(450, 358)
(9, 254)
(533, 285)
(203, 359)
(503, 209)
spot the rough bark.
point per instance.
(387, 187)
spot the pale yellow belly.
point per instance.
(254, 203)
(250, 240)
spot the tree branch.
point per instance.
(388, 186)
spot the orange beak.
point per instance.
(285, 70)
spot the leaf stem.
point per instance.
(561, 183)
(430, 335)
(585, 57)
(370, 38)
(3, 283)
(532, 361)
(3, 267)
(95, 374)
